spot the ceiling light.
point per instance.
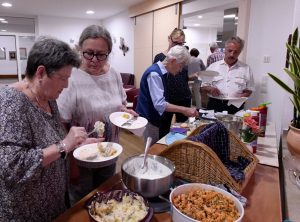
(236, 18)
(197, 24)
(200, 16)
(3, 30)
(229, 16)
(90, 12)
(6, 4)
(4, 21)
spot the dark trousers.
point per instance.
(220, 105)
(89, 179)
(166, 119)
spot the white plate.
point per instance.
(208, 73)
(207, 76)
(235, 98)
(117, 118)
(91, 150)
(177, 216)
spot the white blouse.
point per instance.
(91, 98)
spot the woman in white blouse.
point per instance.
(95, 90)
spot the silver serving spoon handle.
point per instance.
(148, 143)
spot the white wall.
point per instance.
(271, 21)
(121, 26)
(200, 38)
(297, 15)
(8, 66)
(65, 29)
(27, 43)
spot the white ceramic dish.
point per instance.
(235, 98)
(95, 160)
(208, 73)
(118, 119)
(177, 216)
(207, 76)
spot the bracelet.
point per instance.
(61, 149)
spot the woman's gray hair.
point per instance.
(93, 32)
(52, 53)
(180, 53)
(236, 39)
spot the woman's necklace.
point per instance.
(46, 107)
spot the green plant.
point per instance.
(293, 71)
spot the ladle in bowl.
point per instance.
(144, 165)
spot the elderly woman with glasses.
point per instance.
(33, 141)
(95, 91)
(177, 86)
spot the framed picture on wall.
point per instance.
(2, 53)
(23, 53)
(12, 55)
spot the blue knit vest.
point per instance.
(145, 105)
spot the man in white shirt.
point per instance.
(235, 79)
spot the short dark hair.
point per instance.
(96, 31)
(194, 52)
(52, 53)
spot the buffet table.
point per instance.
(262, 192)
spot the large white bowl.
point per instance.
(177, 216)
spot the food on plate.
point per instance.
(88, 154)
(130, 208)
(184, 125)
(106, 151)
(99, 128)
(206, 205)
(126, 116)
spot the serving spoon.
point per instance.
(144, 167)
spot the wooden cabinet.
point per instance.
(151, 36)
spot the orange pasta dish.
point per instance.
(206, 206)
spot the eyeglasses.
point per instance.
(176, 43)
(99, 56)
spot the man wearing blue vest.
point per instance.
(152, 96)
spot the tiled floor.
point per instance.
(292, 191)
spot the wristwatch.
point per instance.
(61, 149)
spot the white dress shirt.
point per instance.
(231, 81)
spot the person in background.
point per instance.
(216, 54)
(152, 102)
(177, 85)
(195, 66)
(33, 141)
(235, 79)
(95, 91)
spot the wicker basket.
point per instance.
(196, 162)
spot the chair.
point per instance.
(127, 79)
(135, 102)
(132, 95)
